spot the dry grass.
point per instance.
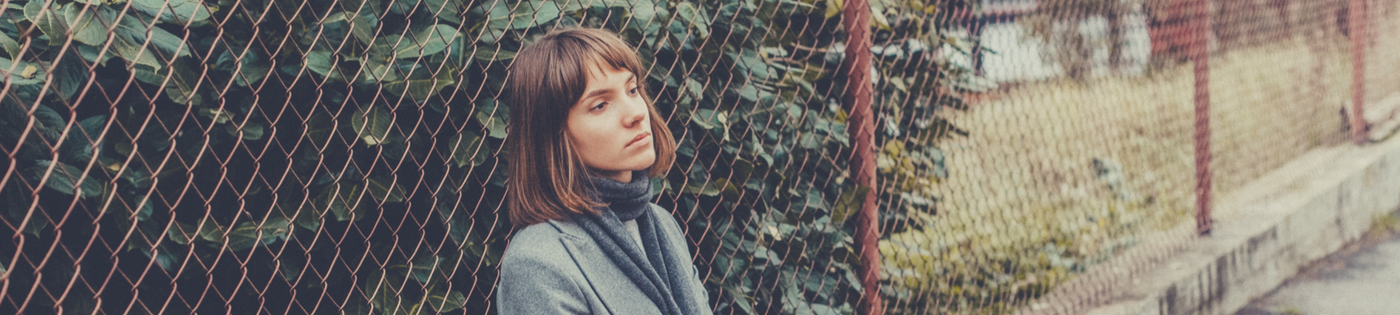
(1023, 186)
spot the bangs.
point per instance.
(576, 53)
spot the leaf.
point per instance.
(183, 84)
(362, 27)
(86, 27)
(713, 188)
(851, 201)
(357, 305)
(319, 127)
(447, 301)
(695, 17)
(217, 115)
(291, 270)
(421, 89)
(164, 258)
(877, 15)
(94, 54)
(252, 67)
(137, 178)
(495, 125)
(131, 50)
(342, 200)
(383, 296)
(498, 18)
(48, 122)
(69, 76)
(132, 33)
(320, 61)
(377, 68)
(144, 210)
(250, 234)
(173, 11)
(833, 8)
(525, 15)
(538, 13)
(384, 190)
(48, 21)
(372, 124)
(148, 75)
(308, 217)
(84, 144)
(429, 41)
(710, 119)
(421, 269)
(466, 149)
(17, 77)
(252, 131)
(182, 233)
(11, 46)
(484, 53)
(816, 200)
(68, 179)
(447, 10)
(19, 208)
(242, 237)
(211, 231)
(740, 299)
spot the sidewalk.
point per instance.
(1361, 279)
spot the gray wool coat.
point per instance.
(556, 268)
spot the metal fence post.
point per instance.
(1200, 56)
(855, 17)
(1356, 22)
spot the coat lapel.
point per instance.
(612, 287)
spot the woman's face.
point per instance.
(610, 127)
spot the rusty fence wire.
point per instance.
(1079, 169)
(345, 156)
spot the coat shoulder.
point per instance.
(538, 277)
(536, 242)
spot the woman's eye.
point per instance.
(634, 91)
(599, 106)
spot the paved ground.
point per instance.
(1362, 279)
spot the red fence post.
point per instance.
(1356, 18)
(1200, 56)
(855, 17)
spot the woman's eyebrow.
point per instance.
(631, 78)
(594, 93)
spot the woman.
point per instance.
(584, 139)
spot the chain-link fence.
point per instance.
(280, 156)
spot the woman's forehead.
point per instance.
(599, 66)
(606, 72)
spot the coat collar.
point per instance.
(612, 287)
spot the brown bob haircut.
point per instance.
(548, 180)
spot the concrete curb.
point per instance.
(1264, 234)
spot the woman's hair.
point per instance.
(547, 178)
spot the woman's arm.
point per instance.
(534, 284)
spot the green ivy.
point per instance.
(352, 149)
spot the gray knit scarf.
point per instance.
(656, 272)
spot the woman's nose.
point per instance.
(637, 113)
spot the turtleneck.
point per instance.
(626, 200)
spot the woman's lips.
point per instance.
(638, 139)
